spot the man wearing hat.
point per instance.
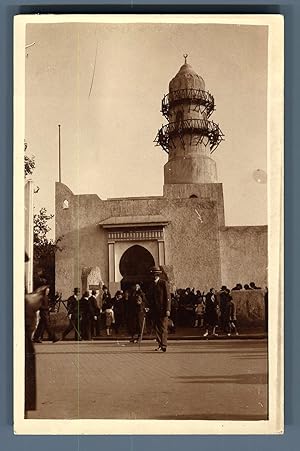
(95, 325)
(73, 307)
(160, 306)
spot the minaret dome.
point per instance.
(186, 78)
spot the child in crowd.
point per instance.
(109, 317)
(199, 312)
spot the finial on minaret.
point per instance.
(185, 57)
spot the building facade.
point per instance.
(116, 241)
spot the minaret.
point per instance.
(189, 137)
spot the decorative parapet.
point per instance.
(135, 235)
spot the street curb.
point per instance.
(190, 337)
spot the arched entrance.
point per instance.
(135, 266)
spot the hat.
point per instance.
(223, 287)
(155, 270)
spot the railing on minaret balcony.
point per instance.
(198, 100)
(200, 131)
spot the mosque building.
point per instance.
(117, 241)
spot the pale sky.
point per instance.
(107, 137)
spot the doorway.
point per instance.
(135, 265)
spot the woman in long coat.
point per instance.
(211, 312)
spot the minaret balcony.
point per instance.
(199, 131)
(199, 100)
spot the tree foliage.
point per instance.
(44, 249)
(29, 162)
(41, 228)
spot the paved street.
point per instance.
(223, 379)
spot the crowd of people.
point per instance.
(89, 316)
(213, 311)
(126, 311)
(130, 312)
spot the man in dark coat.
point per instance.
(95, 326)
(87, 316)
(211, 312)
(44, 322)
(160, 306)
(73, 306)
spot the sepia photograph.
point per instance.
(148, 224)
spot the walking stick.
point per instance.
(76, 330)
(71, 321)
(142, 331)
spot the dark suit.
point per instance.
(223, 309)
(44, 323)
(160, 304)
(73, 307)
(87, 315)
(211, 315)
(95, 325)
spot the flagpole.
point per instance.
(59, 155)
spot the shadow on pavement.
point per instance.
(259, 378)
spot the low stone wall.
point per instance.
(250, 307)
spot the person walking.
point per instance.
(211, 312)
(44, 322)
(74, 315)
(232, 323)
(160, 306)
